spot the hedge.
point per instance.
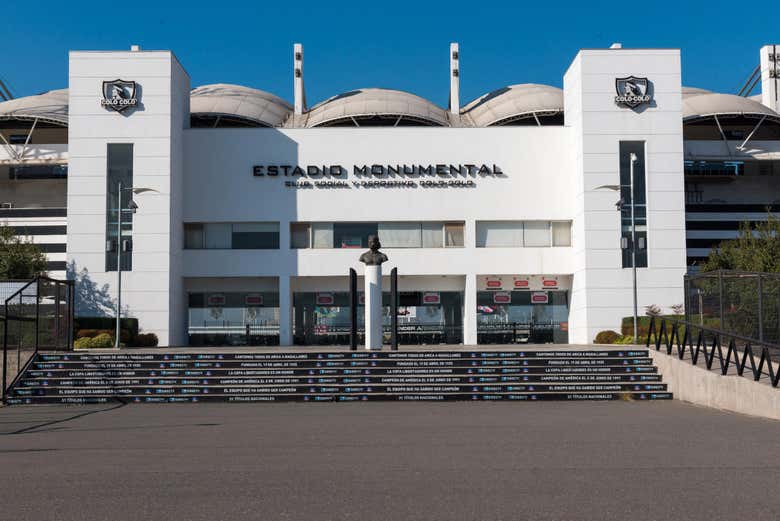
(107, 323)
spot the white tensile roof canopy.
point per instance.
(502, 106)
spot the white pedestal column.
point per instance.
(470, 310)
(285, 312)
(373, 306)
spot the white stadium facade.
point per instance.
(499, 214)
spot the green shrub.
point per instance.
(92, 333)
(146, 340)
(82, 343)
(108, 324)
(643, 324)
(626, 339)
(607, 337)
(102, 341)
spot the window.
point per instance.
(414, 234)
(516, 234)
(193, 236)
(401, 235)
(561, 233)
(218, 236)
(432, 236)
(322, 235)
(536, 233)
(231, 236)
(499, 234)
(300, 235)
(640, 206)
(38, 172)
(255, 236)
(353, 235)
(119, 166)
(453, 235)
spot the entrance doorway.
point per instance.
(520, 317)
(424, 317)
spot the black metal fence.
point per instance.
(705, 344)
(37, 316)
(742, 303)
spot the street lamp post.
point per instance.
(632, 161)
(132, 208)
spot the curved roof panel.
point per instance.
(51, 106)
(693, 91)
(695, 106)
(376, 102)
(236, 101)
(514, 102)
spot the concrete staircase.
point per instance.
(224, 376)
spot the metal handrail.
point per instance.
(21, 368)
(673, 340)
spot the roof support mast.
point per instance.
(454, 83)
(299, 93)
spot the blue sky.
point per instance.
(398, 44)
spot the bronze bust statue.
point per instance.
(373, 257)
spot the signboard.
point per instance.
(215, 300)
(493, 284)
(521, 284)
(253, 299)
(502, 297)
(431, 297)
(119, 95)
(539, 297)
(632, 91)
(325, 299)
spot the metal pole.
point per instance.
(760, 309)
(632, 159)
(118, 264)
(57, 331)
(71, 312)
(394, 309)
(353, 302)
(37, 314)
(720, 300)
(6, 325)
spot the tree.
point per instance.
(757, 248)
(19, 257)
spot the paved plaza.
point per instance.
(388, 461)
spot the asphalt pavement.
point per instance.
(388, 461)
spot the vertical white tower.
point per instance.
(454, 82)
(299, 93)
(152, 129)
(602, 288)
(770, 75)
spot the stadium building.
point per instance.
(500, 213)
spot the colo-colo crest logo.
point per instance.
(632, 91)
(119, 95)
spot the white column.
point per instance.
(285, 311)
(769, 76)
(470, 310)
(454, 80)
(373, 306)
(299, 96)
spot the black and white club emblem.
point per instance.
(632, 91)
(119, 95)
